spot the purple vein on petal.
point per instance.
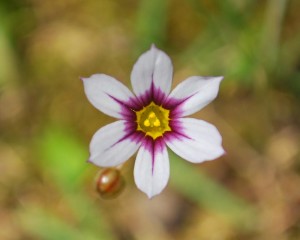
(154, 147)
(158, 95)
(159, 146)
(175, 105)
(178, 132)
(153, 94)
(128, 107)
(147, 144)
(130, 133)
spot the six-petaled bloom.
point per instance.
(151, 119)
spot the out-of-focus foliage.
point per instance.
(47, 188)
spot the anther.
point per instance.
(156, 123)
(147, 123)
(152, 115)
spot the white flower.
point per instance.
(152, 119)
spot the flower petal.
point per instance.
(114, 143)
(192, 95)
(195, 140)
(109, 95)
(152, 169)
(152, 75)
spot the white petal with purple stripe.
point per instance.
(153, 70)
(152, 169)
(192, 95)
(113, 144)
(194, 140)
(109, 95)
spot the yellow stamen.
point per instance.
(147, 123)
(156, 123)
(152, 115)
(153, 120)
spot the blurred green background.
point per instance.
(46, 123)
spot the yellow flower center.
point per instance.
(153, 120)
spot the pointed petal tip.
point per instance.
(224, 153)
(150, 195)
(216, 79)
(86, 78)
(95, 75)
(92, 161)
(220, 78)
(153, 46)
(102, 165)
(216, 157)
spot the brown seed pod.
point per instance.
(110, 183)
